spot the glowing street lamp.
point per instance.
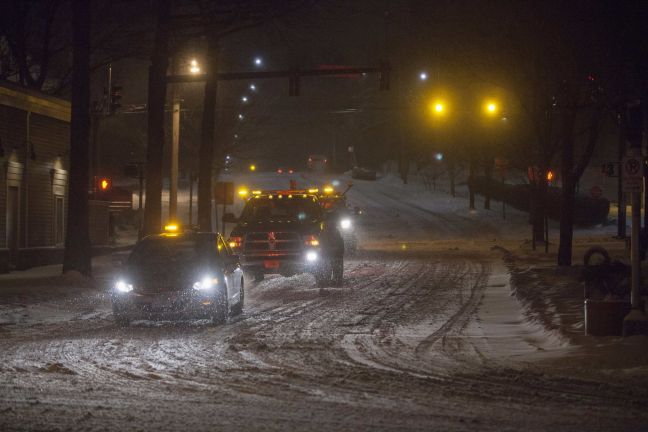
(258, 61)
(241, 117)
(252, 87)
(252, 167)
(423, 76)
(244, 99)
(438, 108)
(491, 108)
(193, 66)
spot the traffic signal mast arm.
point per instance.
(383, 70)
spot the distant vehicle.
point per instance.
(279, 232)
(361, 173)
(317, 163)
(191, 274)
(282, 170)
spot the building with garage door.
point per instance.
(34, 157)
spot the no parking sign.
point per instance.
(632, 171)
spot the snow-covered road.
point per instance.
(412, 341)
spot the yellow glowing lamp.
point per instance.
(256, 192)
(104, 184)
(313, 190)
(243, 192)
(550, 175)
(328, 190)
(438, 108)
(233, 244)
(171, 228)
(491, 108)
(252, 167)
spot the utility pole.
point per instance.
(633, 172)
(175, 147)
(175, 153)
(621, 217)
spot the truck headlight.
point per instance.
(205, 283)
(345, 223)
(311, 256)
(123, 287)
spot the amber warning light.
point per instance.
(172, 227)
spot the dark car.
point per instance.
(179, 274)
(362, 173)
(278, 232)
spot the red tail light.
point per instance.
(235, 242)
(311, 240)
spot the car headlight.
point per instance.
(123, 286)
(345, 223)
(205, 283)
(311, 256)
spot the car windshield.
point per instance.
(172, 251)
(293, 209)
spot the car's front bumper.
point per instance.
(168, 304)
(281, 263)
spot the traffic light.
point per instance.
(104, 184)
(115, 98)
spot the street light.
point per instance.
(491, 108)
(252, 87)
(193, 66)
(423, 76)
(258, 61)
(240, 116)
(244, 99)
(438, 108)
(252, 167)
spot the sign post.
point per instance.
(632, 172)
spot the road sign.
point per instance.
(632, 171)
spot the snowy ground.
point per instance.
(424, 335)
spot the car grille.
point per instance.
(151, 288)
(287, 242)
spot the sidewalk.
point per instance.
(42, 283)
(553, 298)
